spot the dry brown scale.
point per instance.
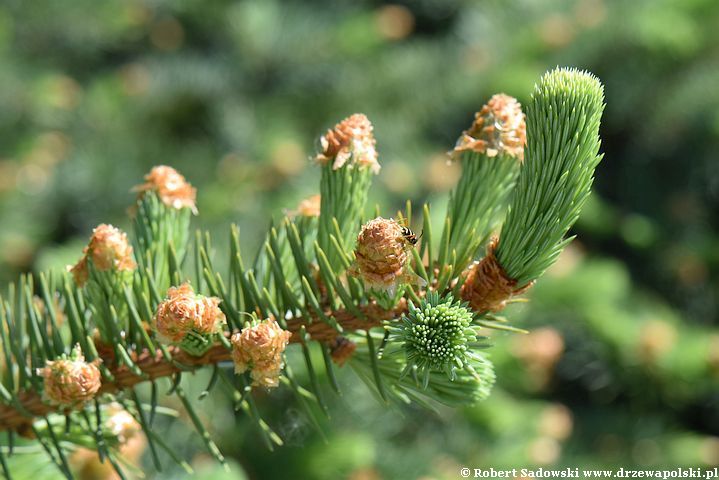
(487, 287)
(341, 349)
(499, 127)
(350, 140)
(170, 186)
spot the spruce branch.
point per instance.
(556, 177)
(490, 153)
(154, 365)
(371, 296)
(553, 184)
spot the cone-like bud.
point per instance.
(350, 141)
(121, 424)
(309, 207)
(69, 381)
(499, 127)
(382, 256)
(487, 287)
(259, 348)
(170, 186)
(341, 349)
(108, 250)
(189, 320)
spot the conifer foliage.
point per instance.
(406, 312)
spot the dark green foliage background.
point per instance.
(235, 94)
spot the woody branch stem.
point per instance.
(154, 365)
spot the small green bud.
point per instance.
(436, 336)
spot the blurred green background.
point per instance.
(622, 365)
